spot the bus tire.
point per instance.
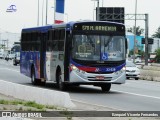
(14, 63)
(42, 83)
(106, 87)
(33, 78)
(60, 84)
(136, 78)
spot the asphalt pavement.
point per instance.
(79, 107)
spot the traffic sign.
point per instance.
(150, 40)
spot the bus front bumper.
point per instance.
(93, 78)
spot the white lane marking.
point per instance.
(137, 94)
(10, 69)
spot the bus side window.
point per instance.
(23, 41)
(54, 40)
(36, 41)
(28, 45)
(33, 42)
(61, 40)
(49, 41)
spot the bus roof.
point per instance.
(67, 25)
(74, 22)
(40, 29)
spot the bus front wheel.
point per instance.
(106, 87)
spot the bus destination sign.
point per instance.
(99, 28)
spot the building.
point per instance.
(155, 45)
(138, 46)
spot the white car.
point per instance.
(16, 59)
(138, 60)
(132, 71)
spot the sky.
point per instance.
(27, 12)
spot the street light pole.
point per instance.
(46, 10)
(93, 10)
(66, 16)
(38, 15)
(102, 3)
(97, 10)
(54, 11)
(42, 11)
(135, 32)
(97, 15)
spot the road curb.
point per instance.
(39, 95)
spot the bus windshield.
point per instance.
(98, 47)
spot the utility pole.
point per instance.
(134, 48)
(146, 39)
(97, 10)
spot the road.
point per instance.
(135, 95)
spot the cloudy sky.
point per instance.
(27, 12)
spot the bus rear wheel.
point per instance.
(60, 83)
(33, 78)
(106, 87)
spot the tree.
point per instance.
(157, 55)
(130, 53)
(139, 30)
(157, 33)
(140, 52)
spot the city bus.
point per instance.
(75, 53)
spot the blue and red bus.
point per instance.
(75, 53)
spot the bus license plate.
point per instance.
(99, 77)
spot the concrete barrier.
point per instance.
(151, 73)
(39, 95)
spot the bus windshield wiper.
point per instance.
(109, 40)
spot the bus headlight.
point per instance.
(120, 71)
(74, 68)
(123, 70)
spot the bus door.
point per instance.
(42, 54)
(67, 56)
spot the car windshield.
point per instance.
(130, 64)
(98, 47)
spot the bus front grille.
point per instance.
(95, 79)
